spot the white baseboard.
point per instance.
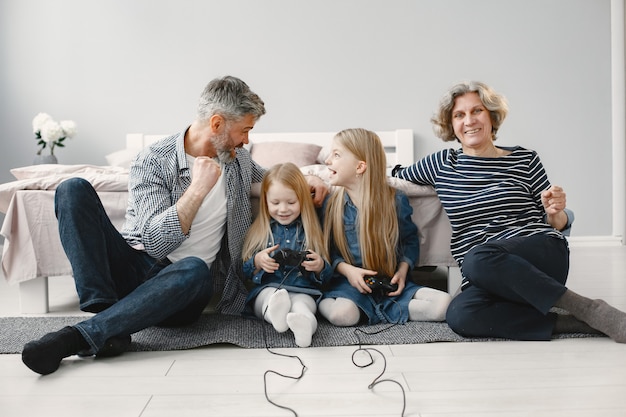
(595, 241)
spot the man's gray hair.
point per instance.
(230, 98)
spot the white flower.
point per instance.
(69, 128)
(39, 121)
(50, 133)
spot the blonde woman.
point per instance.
(372, 240)
(284, 255)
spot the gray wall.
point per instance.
(120, 66)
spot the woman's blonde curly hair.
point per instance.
(494, 102)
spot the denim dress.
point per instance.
(291, 278)
(378, 308)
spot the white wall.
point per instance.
(121, 66)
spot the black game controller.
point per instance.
(290, 257)
(380, 283)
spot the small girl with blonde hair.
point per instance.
(285, 256)
(369, 233)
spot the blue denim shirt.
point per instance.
(291, 278)
(408, 249)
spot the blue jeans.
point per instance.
(132, 290)
(513, 284)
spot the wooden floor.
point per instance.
(573, 377)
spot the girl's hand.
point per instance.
(400, 279)
(356, 276)
(264, 261)
(313, 262)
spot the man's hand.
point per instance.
(319, 189)
(206, 172)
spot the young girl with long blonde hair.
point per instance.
(369, 232)
(285, 256)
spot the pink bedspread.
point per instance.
(32, 247)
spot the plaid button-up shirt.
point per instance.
(158, 178)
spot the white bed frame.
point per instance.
(398, 143)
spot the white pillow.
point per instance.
(411, 189)
(323, 155)
(318, 170)
(121, 158)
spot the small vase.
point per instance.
(45, 159)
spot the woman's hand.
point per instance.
(554, 201)
(313, 262)
(264, 261)
(356, 276)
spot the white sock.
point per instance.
(301, 320)
(429, 304)
(278, 306)
(303, 326)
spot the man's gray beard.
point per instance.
(224, 156)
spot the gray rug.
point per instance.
(239, 331)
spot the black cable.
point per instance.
(374, 382)
(377, 380)
(269, 371)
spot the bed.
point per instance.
(32, 250)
